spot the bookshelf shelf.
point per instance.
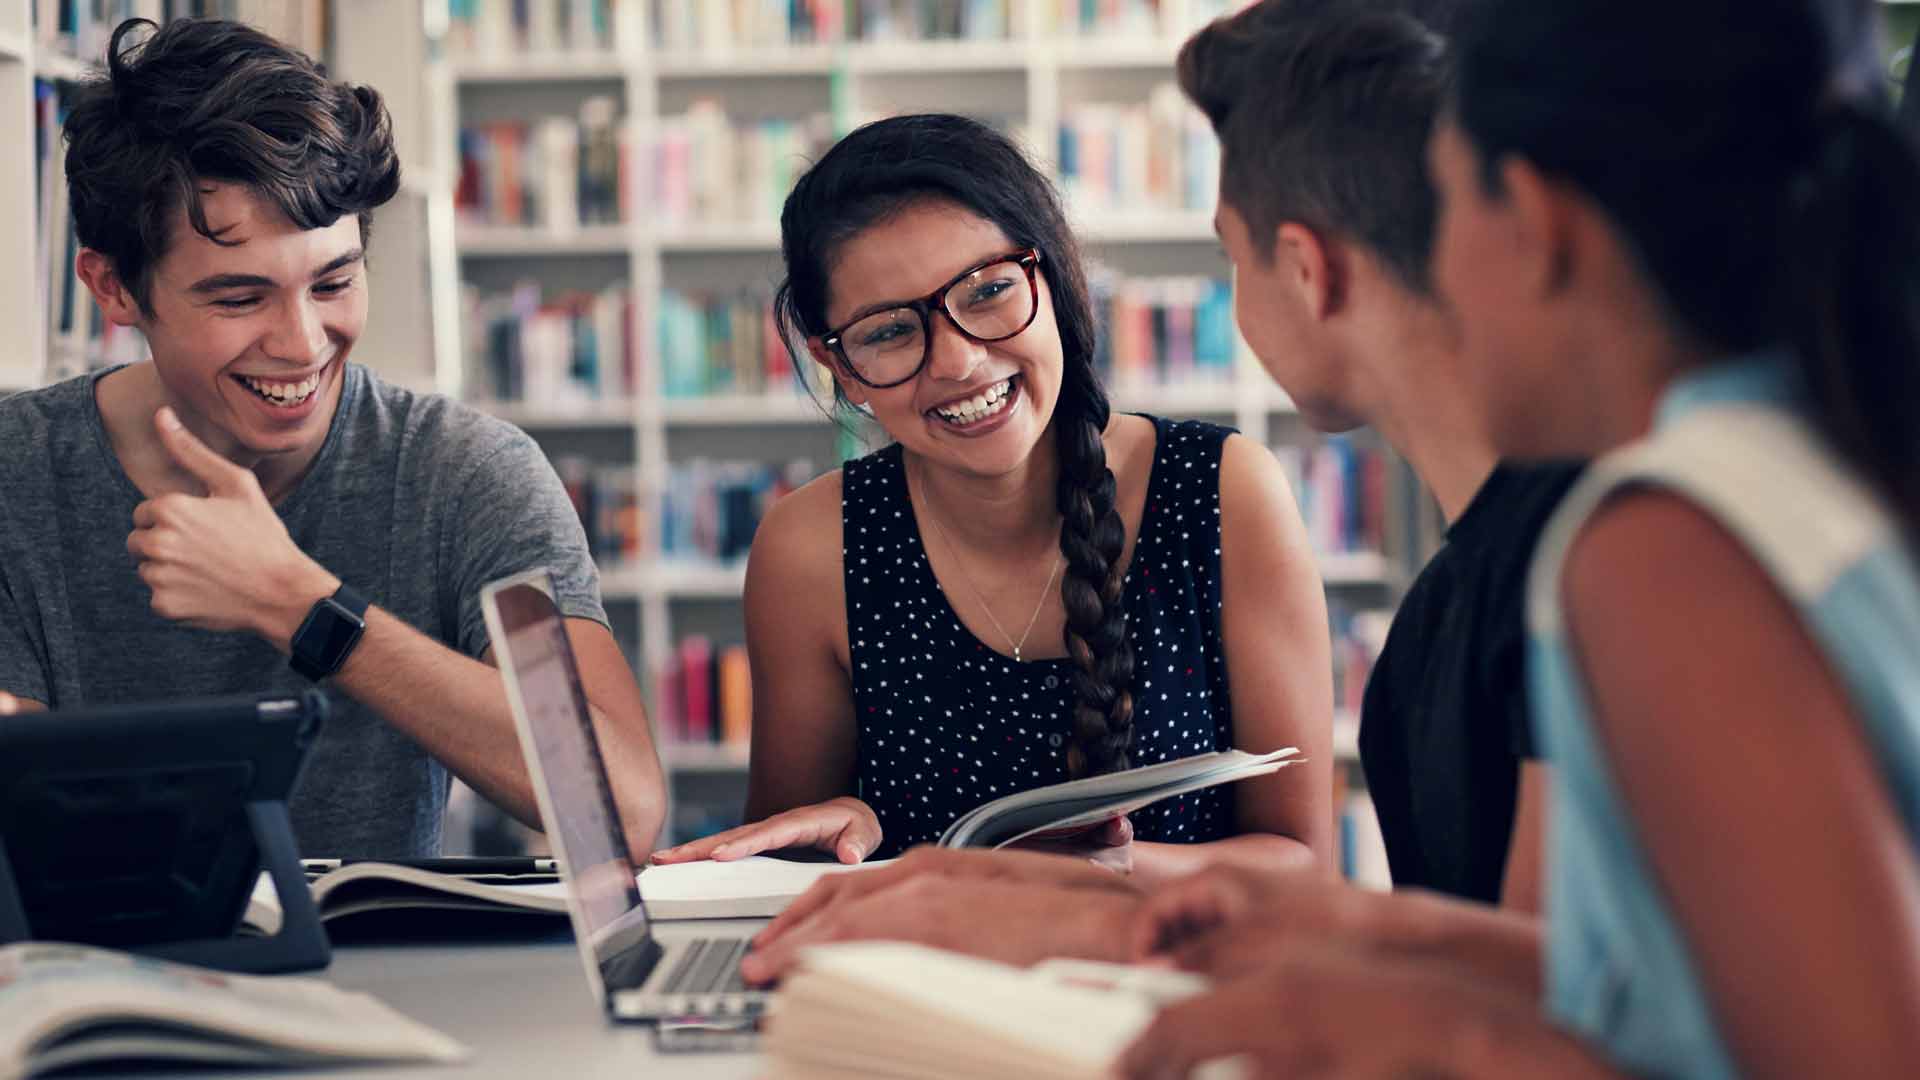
(1346, 736)
(622, 583)
(1150, 226)
(703, 757)
(1369, 568)
(1199, 399)
(548, 68)
(509, 241)
(56, 66)
(743, 410)
(605, 413)
(936, 58)
(696, 239)
(784, 62)
(696, 581)
(1094, 54)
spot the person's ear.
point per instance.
(1539, 227)
(115, 299)
(851, 388)
(1317, 269)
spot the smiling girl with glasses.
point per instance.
(1024, 587)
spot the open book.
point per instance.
(64, 1005)
(1083, 803)
(757, 887)
(884, 1009)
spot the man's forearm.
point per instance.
(1489, 943)
(1157, 863)
(456, 708)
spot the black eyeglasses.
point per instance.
(991, 302)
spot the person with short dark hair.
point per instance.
(217, 519)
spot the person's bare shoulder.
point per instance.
(795, 567)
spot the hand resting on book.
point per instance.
(1107, 844)
(846, 827)
(1227, 920)
(1011, 921)
(839, 891)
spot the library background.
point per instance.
(587, 240)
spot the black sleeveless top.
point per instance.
(946, 723)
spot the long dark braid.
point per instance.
(890, 163)
(1092, 538)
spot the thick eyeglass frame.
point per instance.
(1027, 259)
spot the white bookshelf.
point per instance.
(1027, 80)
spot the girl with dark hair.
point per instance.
(1684, 234)
(1023, 588)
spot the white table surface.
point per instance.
(522, 1007)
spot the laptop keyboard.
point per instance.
(707, 966)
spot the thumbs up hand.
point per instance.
(222, 561)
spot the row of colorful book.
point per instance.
(556, 172)
(607, 498)
(551, 351)
(495, 28)
(720, 25)
(1162, 330)
(708, 167)
(1341, 487)
(708, 510)
(726, 343)
(704, 695)
(1160, 155)
(82, 28)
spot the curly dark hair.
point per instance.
(880, 169)
(209, 100)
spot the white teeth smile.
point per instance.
(982, 405)
(281, 393)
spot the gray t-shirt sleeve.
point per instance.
(513, 515)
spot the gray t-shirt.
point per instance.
(414, 500)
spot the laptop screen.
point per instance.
(531, 647)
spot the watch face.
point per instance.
(331, 633)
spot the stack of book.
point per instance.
(712, 169)
(557, 172)
(497, 28)
(1162, 330)
(1342, 491)
(607, 498)
(552, 352)
(1132, 158)
(708, 510)
(706, 695)
(1170, 19)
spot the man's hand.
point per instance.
(1219, 920)
(222, 561)
(1010, 921)
(835, 891)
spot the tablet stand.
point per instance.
(300, 944)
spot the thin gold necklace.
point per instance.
(981, 600)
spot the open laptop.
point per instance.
(685, 987)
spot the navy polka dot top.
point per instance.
(946, 723)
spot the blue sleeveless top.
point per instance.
(1730, 441)
(946, 723)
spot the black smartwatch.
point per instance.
(328, 635)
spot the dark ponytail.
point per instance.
(1854, 282)
(880, 169)
(1760, 181)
